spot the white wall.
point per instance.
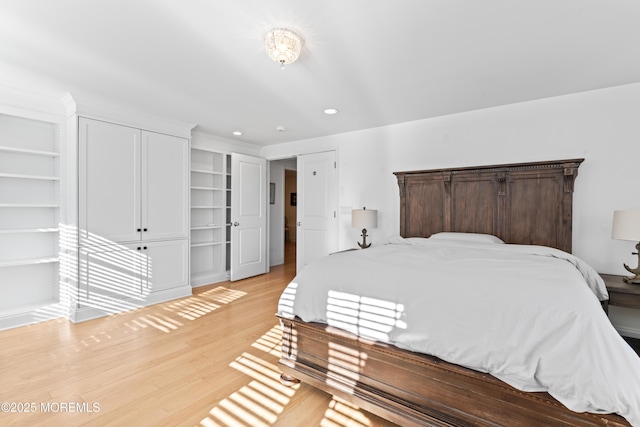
(601, 126)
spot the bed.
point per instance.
(381, 364)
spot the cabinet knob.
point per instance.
(298, 223)
(145, 248)
(144, 229)
(139, 230)
(235, 224)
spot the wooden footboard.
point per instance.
(414, 389)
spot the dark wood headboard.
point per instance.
(523, 203)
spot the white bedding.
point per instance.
(528, 315)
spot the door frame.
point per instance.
(279, 231)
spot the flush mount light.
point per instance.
(283, 45)
(330, 111)
(237, 133)
(280, 128)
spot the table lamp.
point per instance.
(363, 218)
(626, 226)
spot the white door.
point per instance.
(109, 182)
(248, 216)
(317, 207)
(165, 197)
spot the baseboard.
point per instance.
(209, 279)
(87, 312)
(31, 315)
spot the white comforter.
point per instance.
(528, 315)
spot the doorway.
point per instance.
(290, 214)
(282, 219)
(305, 196)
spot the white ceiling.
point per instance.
(378, 61)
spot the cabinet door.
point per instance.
(165, 186)
(167, 265)
(109, 274)
(109, 184)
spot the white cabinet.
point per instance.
(133, 219)
(210, 215)
(29, 217)
(131, 272)
(165, 186)
(109, 183)
(133, 184)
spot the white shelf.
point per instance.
(207, 172)
(207, 149)
(22, 205)
(21, 176)
(200, 245)
(209, 248)
(30, 261)
(209, 188)
(29, 212)
(29, 152)
(30, 230)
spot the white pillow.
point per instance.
(466, 237)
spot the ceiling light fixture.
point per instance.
(283, 45)
(330, 111)
(237, 133)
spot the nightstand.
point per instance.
(621, 293)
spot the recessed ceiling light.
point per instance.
(237, 133)
(330, 111)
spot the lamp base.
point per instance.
(634, 280)
(635, 271)
(364, 244)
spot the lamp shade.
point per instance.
(364, 218)
(626, 225)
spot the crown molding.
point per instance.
(23, 103)
(101, 109)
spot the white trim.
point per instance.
(32, 314)
(88, 313)
(24, 104)
(103, 110)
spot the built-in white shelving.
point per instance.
(20, 176)
(28, 152)
(29, 261)
(30, 212)
(210, 215)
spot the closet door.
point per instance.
(165, 186)
(109, 184)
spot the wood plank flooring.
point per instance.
(206, 360)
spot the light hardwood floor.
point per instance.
(206, 360)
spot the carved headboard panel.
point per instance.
(523, 203)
